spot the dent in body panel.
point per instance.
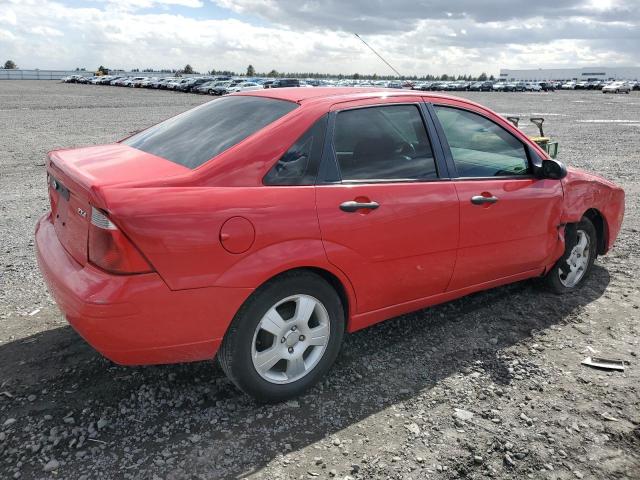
(585, 191)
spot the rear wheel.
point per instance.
(575, 265)
(284, 338)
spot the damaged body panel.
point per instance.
(587, 194)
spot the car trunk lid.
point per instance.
(77, 177)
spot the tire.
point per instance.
(559, 279)
(300, 362)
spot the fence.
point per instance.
(19, 74)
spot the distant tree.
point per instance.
(251, 72)
(444, 77)
(10, 65)
(492, 77)
(188, 69)
(482, 77)
(103, 70)
(273, 73)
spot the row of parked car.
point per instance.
(221, 84)
(618, 86)
(606, 87)
(212, 85)
(486, 86)
(491, 86)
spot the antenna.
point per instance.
(379, 56)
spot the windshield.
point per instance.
(197, 135)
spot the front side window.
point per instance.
(197, 135)
(383, 143)
(299, 165)
(479, 147)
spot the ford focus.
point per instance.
(261, 227)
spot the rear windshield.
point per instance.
(197, 135)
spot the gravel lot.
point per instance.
(487, 386)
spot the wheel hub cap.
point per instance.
(291, 338)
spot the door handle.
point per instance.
(353, 206)
(481, 199)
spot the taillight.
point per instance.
(111, 250)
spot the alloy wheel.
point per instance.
(290, 339)
(578, 261)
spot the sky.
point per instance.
(416, 36)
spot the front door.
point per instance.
(508, 218)
(389, 222)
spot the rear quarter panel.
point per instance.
(178, 230)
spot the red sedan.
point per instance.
(261, 226)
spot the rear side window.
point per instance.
(197, 135)
(383, 143)
(481, 148)
(299, 165)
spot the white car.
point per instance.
(617, 87)
(173, 85)
(148, 81)
(244, 87)
(133, 81)
(532, 87)
(569, 86)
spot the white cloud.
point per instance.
(138, 4)
(6, 35)
(46, 31)
(468, 37)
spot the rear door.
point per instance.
(508, 218)
(388, 217)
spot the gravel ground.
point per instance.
(486, 386)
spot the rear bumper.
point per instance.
(135, 319)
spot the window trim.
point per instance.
(329, 166)
(320, 160)
(449, 156)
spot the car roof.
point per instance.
(331, 95)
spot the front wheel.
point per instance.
(284, 338)
(575, 265)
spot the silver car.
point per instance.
(617, 87)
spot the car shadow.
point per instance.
(194, 410)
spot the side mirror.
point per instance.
(553, 169)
